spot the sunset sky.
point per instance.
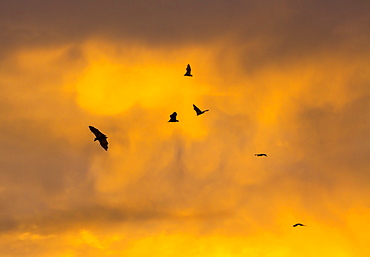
(287, 78)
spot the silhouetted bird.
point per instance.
(260, 154)
(298, 224)
(188, 71)
(100, 137)
(173, 117)
(199, 112)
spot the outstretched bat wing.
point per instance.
(96, 132)
(104, 143)
(198, 111)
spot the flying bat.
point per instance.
(173, 117)
(198, 111)
(188, 71)
(100, 137)
(260, 154)
(298, 224)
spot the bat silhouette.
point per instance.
(188, 71)
(260, 154)
(198, 111)
(298, 224)
(100, 137)
(173, 117)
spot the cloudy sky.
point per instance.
(287, 78)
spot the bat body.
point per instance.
(173, 117)
(198, 111)
(298, 224)
(100, 137)
(188, 71)
(260, 154)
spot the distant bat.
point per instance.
(100, 137)
(199, 112)
(298, 224)
(260, 154)
(173, 117)
(188, 71)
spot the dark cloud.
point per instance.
(284, 27)
(93, 216)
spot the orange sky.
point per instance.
(288, 79)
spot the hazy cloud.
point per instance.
(290, 79)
